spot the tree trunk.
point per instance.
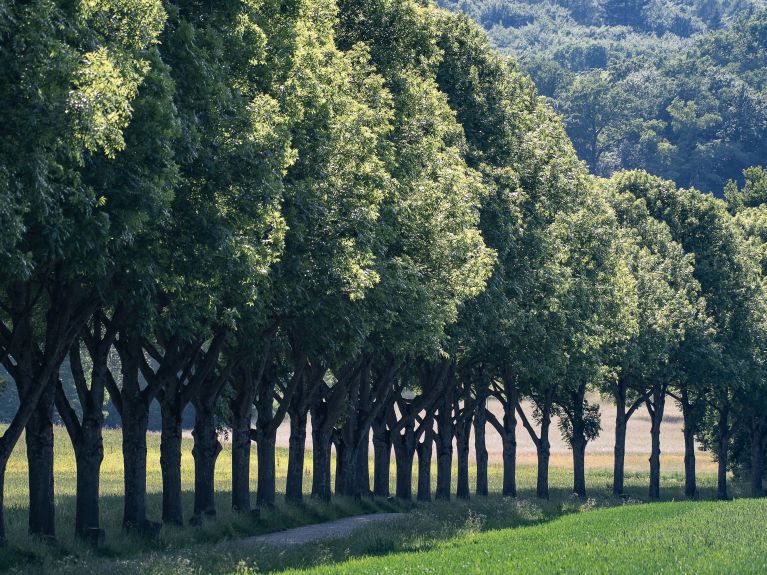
(724, 443)
(579, 465)
(170, 462)
(425, 449)
(134, 429)
(89, 454)
(266, 443)
(205, 453)
(381, 459)
(294, 487)
(619, 461)
(480, 447)
(321, 445)
(509, 438)
(462, 486)
(757, 458)
(444, 438)
(690, 484)
(39, 439)
(404, 452)
(241, 459)
(656, 415)
(544, 451)
(362, 469)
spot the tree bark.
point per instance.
(619, 461)
(294, 486)
(425, 449)
(724, 444)
(134, 429)
(480, 447)
(381, 458)
(241, 459)
(444, 440)
(321, 444)
(579, 465)
(656, 415)
(89, 454)
(757, 456)
(690, 484)
(266, 443)
(544, 450)
(170, 461)
(462, 484)
(205, 452)
(39, 439)
(404, 452)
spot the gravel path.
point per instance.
(320, 531)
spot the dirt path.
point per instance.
(319, 531)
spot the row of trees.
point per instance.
(353, 212)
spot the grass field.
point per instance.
(680, 537)
(213, 548)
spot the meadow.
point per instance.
(214, 547)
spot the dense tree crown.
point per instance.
(358, 213)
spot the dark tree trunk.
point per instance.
(690, 483)
(757, 456)
(321, 444)
(544, 450)
(657, 417)
(205, 453)
(444, 439)
(579, 465)
(724, 443)
(480, 446)
(134, 429)
(619, 462)
(266, 443)
(39, 439)
(425, 449)
(170, 462)
(294, 487)
(508, 431)
(381, 459)
(462, 484)
(89, 454)
(241, 459)
(404, 452)
(362, 468)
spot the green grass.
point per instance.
(212, 548)
(660, 538)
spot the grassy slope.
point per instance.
(660, 538)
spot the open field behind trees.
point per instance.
(194, 550)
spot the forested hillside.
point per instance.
(675, 87)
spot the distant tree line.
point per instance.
(672, 87)
(356, 213)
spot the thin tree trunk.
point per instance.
(321, 445)
(205, 452)
(241, 459)
(39, 439)
(619, 461)
(266, 442)
(656, 410)
(757, 457)
(170, 462)
(444, 438)
(690, 483)
(544, 451)
(362, 469)
(724, 443)
(404, 452)
(579, 465)
(480, 446)
(296, 451)
(462, 484)
(425, 449)
(381, 458)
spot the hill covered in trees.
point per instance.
(675, 87)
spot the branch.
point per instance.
(68, 415)
(526, 424)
